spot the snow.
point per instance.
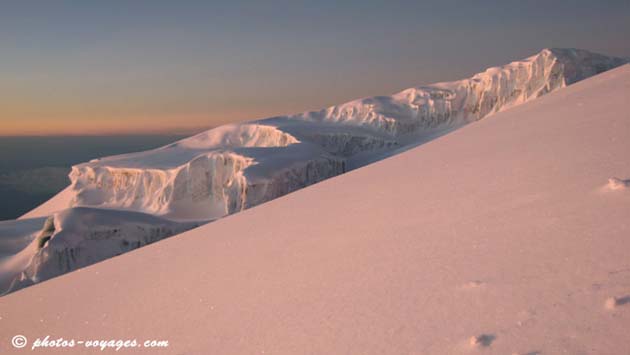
(234, 167)
(72, 239)
(230, 168)
(17, 234)
(59, 202)
(496, 238)
(618, 184)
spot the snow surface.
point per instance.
(228, 169)
(234, 167)
(35, 250)
(59, 202)
(499, 238)
(17, 234)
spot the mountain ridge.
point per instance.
(508, 236)
(234, 167)
(169, 180)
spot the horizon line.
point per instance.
(166, 132)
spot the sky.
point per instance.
(123, 67)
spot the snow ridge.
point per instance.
(237, 166)
(119, 203)
(78, 237)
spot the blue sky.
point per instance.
(134, 66)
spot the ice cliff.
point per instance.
(75, 238)
(119, 203)
(233, 167)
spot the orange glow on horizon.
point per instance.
(60, 128)
(128, 125)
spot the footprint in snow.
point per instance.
(618, 184)
(472, 284)
(614, 302)
(482, 340)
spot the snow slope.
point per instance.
(503, 237)
(37, 249)
(233, 167)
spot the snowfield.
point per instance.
(234, 167)
(507, 236)
(74, 238)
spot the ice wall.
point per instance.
(233, 167)
(78, 237)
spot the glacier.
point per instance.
(237, 166)
(74, 238)
(161, 192)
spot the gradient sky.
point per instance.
(94, 67)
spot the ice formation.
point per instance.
(233, 167)
(123, 202)
(75, 238)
